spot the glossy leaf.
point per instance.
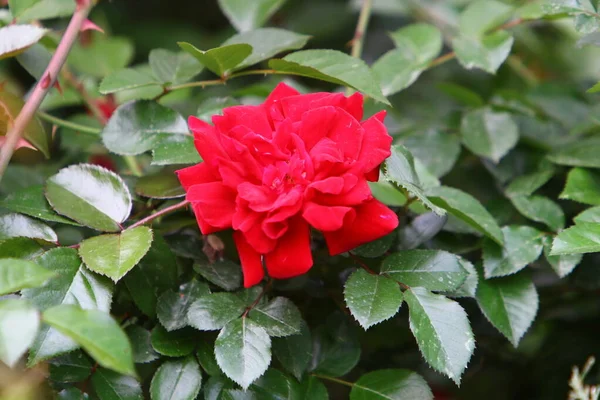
(16, 274)
(509, 303)
(126, 79)
(437, 150)
(522, 246)
(71, 367)
(173, 67)
(442, 330)
(175, 149)
(90, 195)
(431, 269)
(220, 60)
(19, 323)
(177, 380)
(488, 133)
(590, 215)
(582, 186)
(205, 354)
(376, 248)
(114, 255)
(14, 39)
(110, 385)
(20, 247)
(214, 311)
(391, 384)
(564, 264)
(581, 238)
(163, 185)
(487, 53)
(540, 209)
(581, 153)
(279, 317)
(96, 332)
(172, 307)
(72, 394)
(371, 298)
(173, 344)
(243, 351)
(469, 286)
(17, 225)
(331, 66)
(31, 201)
(225, 274)
(141, 346)
(294, 352)
(246, 15)
(421, 229)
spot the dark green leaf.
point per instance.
(110, 385)
(437, 150)
(522, 246)
(312, 388)
(96, 332)
(294, 352)
(114, 255)
(177, 380)
(564, 264)
(442, 330)
(17, 225)
(214, 311)
(274, 385)
(391, 384)
(581, 238)
(581, 153)
(171, 67)
(376, 248)
(20, 322)
(20, 247)
(488, 133)
(420, 230)
(173, 344)
(525, 185)
(336, 348)
(243, 351)
(279, 317)
(582, 186)
(18, 274)
(331, 66)
(206, 357)
(163, 185)
(72, 394)
(70, 367)
(540, 209)
(172, 307)
(220, 60)
(223, 273)
(91, 195)
(141, 346)
(126, 79)
(510, 304)
(248, 15)
(31, 201)
(462, 94)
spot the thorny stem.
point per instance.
(160, 213)
(332, 379)
(264, 290)
(68, 124)
(44, 85)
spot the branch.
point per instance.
(68, 124)
(44, 84)
(361, 28)
(160, 213)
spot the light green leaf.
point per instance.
(247, 15)
(162, 185)
(177, 380)
(331, 66)
(220, 60)
(30, 10)
(175, 149)
(509, 303)
(461, 94)
(540, 209)
(482, 16)
(172, 307)
(102, 56)
(581, 238)
(139, 126)
(266, 43)
(20, 247)
(387, 193)
(582, 186)
(31, 201)
(466, 208)
(488, 133)
(18, 274)
(15, 39)
(225, 274)
(19, 323)
(214, 311)
(110, 385)
(17, 225)
(91, 195)
(564, 264)
(590, 215)
(431, 269)
(243, 351)
(72, 284)
(126, 79)
(172, 67)
(114, 255)
(522, 246)
(391, 384)
(371, 298)
(442, 330)
(487, 53)
(581, 153)
(399, 169)
(97, 332)
(279, 317)
(437, 150)
(294, 352)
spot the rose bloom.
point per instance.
(274, 170)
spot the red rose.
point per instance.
(272, 171)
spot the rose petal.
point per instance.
(214, 204)
(252, 117)
(376, 143)
(252, 265)
(325, 218)
(195, 175)
(292, 256)
(207, 142)
(281, 91)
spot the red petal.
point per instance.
(353, 105)
(194, 175)
(253, 117)
(207, 141)
(376, 143)
(214, 204)
(291, 257)
(373, 220)
(373, 175)
(281, 91)
(315, 125)
(326, 218)
(251, 261)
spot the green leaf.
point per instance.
(312, 388)
(442, 330)
(279, 317)
(417, 45)
(487, 53)
(564, 264)
(214, 311)
(163, 185)
(91, 195)
(114, 255)
(243, 351)
(223, 273)
(540, 209)
(172, 307)
(72, 394)
(19, 324)
(177, 380)
(431, 269)
(139, 126)
(482, 16)
(72, 284)
(220, 60)
(421, 229)
(175, 149)
(488, 133)
(580, 153)
(581, 238)
(371, 298)
(30, 10)
(590, 215)
(71, 367)
(110, 385)
(96, 332)
(582, 186)
(522, 246)
(336, 347)
(31, 201)
(510, 304)
(177, 343)
(466, 208)
(387, 193)
(18, 274)
(206, 357)
(331, 66)
(23, 248)
(102, 56)
(469, 286)
(274, 384)
(126, 79)
(15, 39)
(141, 346)
(266, 43)
(391, 384)
(294, 352)
(17, 225)
(376, 248)
(399, 169)
(173, 67)
(437, 150)
(248, 15)
(525, 185)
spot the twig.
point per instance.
(332, 379)
(361, 28)
(68, 124)
(44, 84)
(160, 213)
(265, 289)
